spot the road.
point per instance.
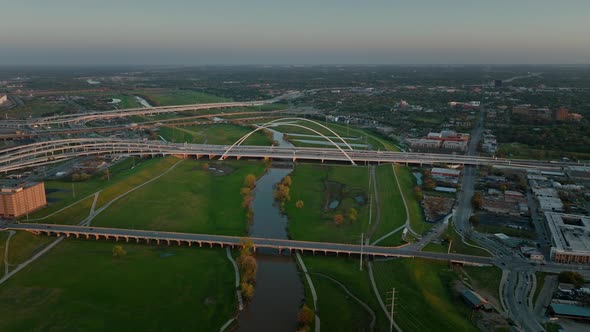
(220, 240)
(47, 152)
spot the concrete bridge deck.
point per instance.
(189, 239)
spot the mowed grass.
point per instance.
(23, 245)
(393, 212)
(486, 280)
(60, 193)
(154, 168)
(406, 180)
(337, 311)
(223, 134)
(3, 237)
(80, 286)
(187, 199)
(317, 185)
(71, 215)
(425, 299)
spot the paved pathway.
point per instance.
(363, 304)
(312, 289)
(376, 290)
(10, 234)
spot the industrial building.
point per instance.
(22, 199)
(570, 237)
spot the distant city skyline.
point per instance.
(181, 32)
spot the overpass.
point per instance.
(47, 152)
(200, 240)
(96, 115)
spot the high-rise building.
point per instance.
(22, 199)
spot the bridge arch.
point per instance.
(277, 122)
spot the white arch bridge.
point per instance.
(43, 153)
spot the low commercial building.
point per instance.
(445, 174)
(473, 299)
(22, 199)
(455, 145)
(3, 99)
(422, 143)
(570, 238)
(569, 311)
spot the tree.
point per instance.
(476, 200)
(282, 193)
(245, 191)
(247, 291)
(248, 267)
(571, 277)
(246, 246)
(418, 193)
(287, 181)
(118, 251)
(305, 316)
(299, 204)
(205, 166)
(250, 181)
(352, 215)
(338, 219)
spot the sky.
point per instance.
(227, 32)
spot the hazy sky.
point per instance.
(197, 32)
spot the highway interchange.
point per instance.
(518, 273)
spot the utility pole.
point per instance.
(362, 242)
(450, 244)
(391, 312)
(370, 197)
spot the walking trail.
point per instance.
(84, 222)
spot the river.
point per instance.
(279, 290)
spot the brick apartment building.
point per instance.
(22, 199)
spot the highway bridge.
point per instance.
(200, 240)
(47, 152)
(96, 115)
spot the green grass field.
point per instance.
(393, 212)
(337, 311)
(188, 199)
(406, 180)
(223, 134)
(80, 286)
(486, 280)
(426, 300)
(318, 185)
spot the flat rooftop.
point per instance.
(569, 232)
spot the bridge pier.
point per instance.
(77, 235)
(158, 241)
(200, 244)
(96, 236)
(87, 236)
(168, 242)
(116, 239)
(190, 243)
(137, 240)
(127, 239)
(178, 242)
